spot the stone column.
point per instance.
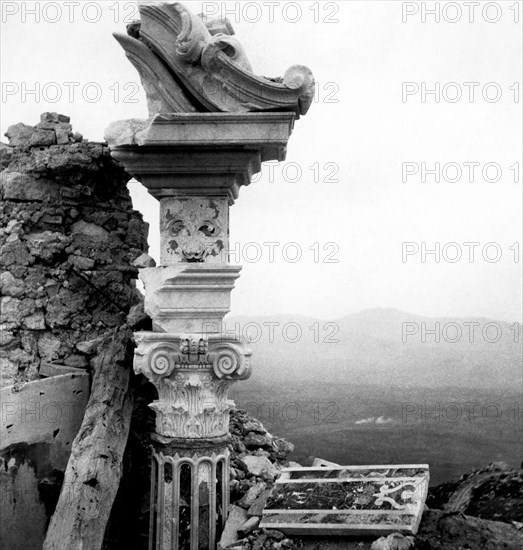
(194, 164)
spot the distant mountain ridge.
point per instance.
(385, 346)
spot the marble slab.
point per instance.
(49, 410)
(348, 500)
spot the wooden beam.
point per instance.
(94, 470)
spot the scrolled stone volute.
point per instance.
(189, 64)
(230, 46)
(162, 360)
(231, 362)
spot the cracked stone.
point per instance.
(260, 466)
(11, 286)
(22, 187)
(19, 134)
(42, 138)
(36, 321)
(82, 263)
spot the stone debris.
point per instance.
(260, 466)
(494, 493)
(252, 495)
(53, 129)
(259, 504)
(249, 526)
(127, 132)
(253, 472)
(236, 519)
(395, 541)
(68, 239)
(499, 497)
(144, 260)
(442, 531)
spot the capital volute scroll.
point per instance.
(160, 356)
(230, 361)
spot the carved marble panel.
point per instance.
(194, 230)
(348, 500)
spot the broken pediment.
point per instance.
(188, 64)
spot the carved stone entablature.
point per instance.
(187, 64)
(192, 373)
(194, 230)
(199, 154)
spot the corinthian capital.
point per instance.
(192, 373)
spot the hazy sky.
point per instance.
(344, 193)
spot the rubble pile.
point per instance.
(483, 509)
(68, 237)
(257, 458)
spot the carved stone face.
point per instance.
(194, 230)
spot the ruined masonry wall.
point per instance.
(68, 237)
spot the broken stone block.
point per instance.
(249, 526)
(259, 504)
(82, 263)
(144, 261)
(47, 244)
(76, 361)
(254, 426)
(127, 132)
(260, 466)
(22, 187)
(89, 347)
(9, 370)
(11, 313)
(14, 226)
(90, 230)
(137, 316)
(14, 252)
(320, 462)
(395, 541)
(283, 446)
(236, 519)
(10, 286)
(252, 494)
(6, 155)
(62, 136)
(6, 336)
(443, 531)
(51, 219)
(42, 138)
(48, 346)
(49, 117)
(255, 440)
(19, 134)
(36, 321)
